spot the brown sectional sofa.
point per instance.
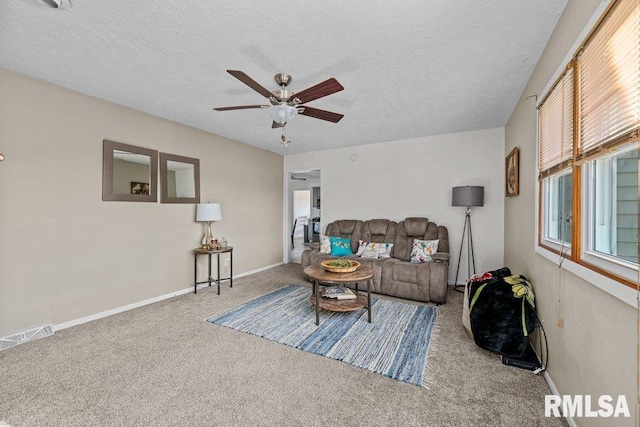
(396, 276)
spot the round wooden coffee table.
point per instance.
(320, 277)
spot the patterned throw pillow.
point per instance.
(325, 244)
(383, 249)
(369, 253)
(423, 249)
(340, 246)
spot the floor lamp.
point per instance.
(467, 196)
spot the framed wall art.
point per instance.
(512, 173)
(140, 188)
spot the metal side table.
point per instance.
(201, 251)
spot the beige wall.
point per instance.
(595, 350)
(66, 254)
(414, 177)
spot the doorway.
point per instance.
(304, 207)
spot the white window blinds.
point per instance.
(555, 126)
(609, 79)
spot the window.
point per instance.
(611, 212)
(558, 191)
(555, 159)
(588, 150)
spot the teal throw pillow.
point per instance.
(340, 246)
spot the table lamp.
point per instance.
(207, 213)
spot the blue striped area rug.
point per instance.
(396, 344)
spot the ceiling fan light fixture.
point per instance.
(283, 113)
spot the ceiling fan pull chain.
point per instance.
(284, 139)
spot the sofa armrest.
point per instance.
(440, 257)
(305, 259)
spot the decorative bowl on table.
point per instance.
(340, 265)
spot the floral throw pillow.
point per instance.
(325, 244)
(369, 253)
(423, 249)
(340, 246)
(383, 249)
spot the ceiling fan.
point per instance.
(285, 104)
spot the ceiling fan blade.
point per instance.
(239, 107)
(325, 88)
(321, 114)
(250, 82)
(275, 125)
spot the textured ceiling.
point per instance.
(410, 69)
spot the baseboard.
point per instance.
(258, 270)
(122, 309)
(555, 391)
(142, 303)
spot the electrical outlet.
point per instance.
(226, 262)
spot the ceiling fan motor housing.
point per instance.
(283, 79)
(282, 96)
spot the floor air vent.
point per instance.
(22, 337)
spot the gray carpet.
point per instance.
(162, 364)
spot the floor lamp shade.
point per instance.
(468, 196)
(207, 212)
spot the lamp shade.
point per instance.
(206, 212)
(468, 196)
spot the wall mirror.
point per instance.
(179, 178)
(129, 173)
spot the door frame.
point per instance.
(287, 218)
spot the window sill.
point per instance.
(610, 286)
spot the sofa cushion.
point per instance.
(423, 250)
(406, 280)
(417, 228)
(379, 231)
(407, 230)
(346, 228)
(405, 273)
(340, 246)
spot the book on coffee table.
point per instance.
(338, 292)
